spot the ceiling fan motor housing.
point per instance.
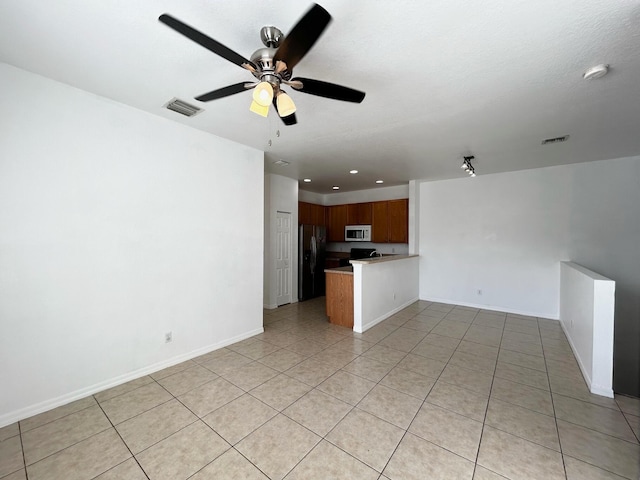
(263, 59)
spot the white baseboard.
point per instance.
(494, 308)
(26, 412)
(376, 321)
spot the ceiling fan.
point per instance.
(273, 65)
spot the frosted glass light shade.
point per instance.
(263, 94)
(259, 109)
(285, 105)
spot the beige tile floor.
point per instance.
(434, 392)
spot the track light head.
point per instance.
(466, 165)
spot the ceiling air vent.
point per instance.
(183, 107)
(548, 141)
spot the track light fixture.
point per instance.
(467, 167)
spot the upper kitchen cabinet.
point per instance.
(390, 221)
(311, 214)
(380, 222)
(336, 221)
(359, 213)
(398, 214)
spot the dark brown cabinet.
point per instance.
(389, 219)
(380, 223)
(359, 213)
(398, 215)
(311, 214)
(336, 221)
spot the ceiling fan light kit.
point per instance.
(285, 105)
(273, 65)
(261, 110)
(263, 94)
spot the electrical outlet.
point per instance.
(479, 292)
(393, 250)
(168, 337)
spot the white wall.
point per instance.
(505, 234)
(281, 195)
(381, 289)
(116, 226)
(587, 304)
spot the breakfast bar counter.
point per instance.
(372, 289)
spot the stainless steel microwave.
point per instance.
(357, 233)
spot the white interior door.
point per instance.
(283, 258)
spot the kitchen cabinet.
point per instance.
(311, 214)
(390, 221)
(339, 298)
(336, 221)
(398, 215)
(359, 213)
(380, 222)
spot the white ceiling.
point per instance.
(443, 78)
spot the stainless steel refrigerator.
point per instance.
(312, 240)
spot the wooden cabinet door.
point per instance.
(352, 214)
(398, 211)
(379, 222)
(311, 214)
(359, 213)
(317, 214)
(364, 213)
(304, 213)
(337, 219)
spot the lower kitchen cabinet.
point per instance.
(339, 287)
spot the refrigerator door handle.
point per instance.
(314, 250)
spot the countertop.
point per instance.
(340, 270)
(385, 258)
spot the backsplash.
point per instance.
(385, 248)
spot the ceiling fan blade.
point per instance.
(289, 119)
(302, 36)
(225, 91)
(207, 42)
(326, 89)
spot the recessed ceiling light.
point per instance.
(281, 163)
(353, 171)
(596, 72)
(379, 181)
(306, 180)
(335, 187)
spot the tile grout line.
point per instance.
(24, 459)
(123, 442)
(553, 407)
(484, 421)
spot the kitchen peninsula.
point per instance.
(370, 290)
